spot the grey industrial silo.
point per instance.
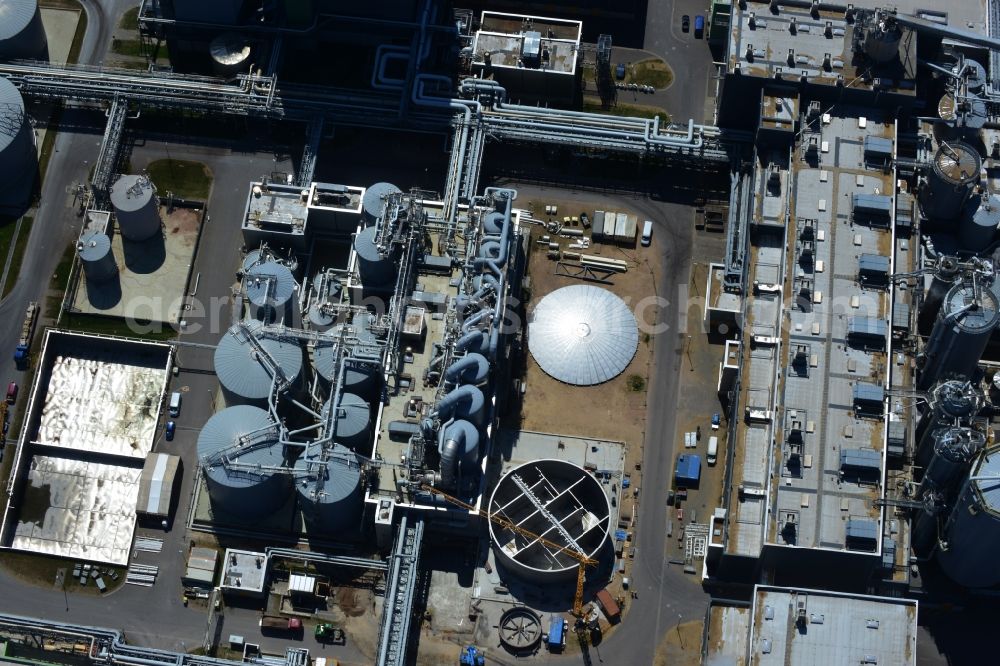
(96, 257)
(978, 226)
(970, 535)
(947, 402)
(946, 274)
(352, 420)
(360, 378)
(22, 35)
(377, 268)
(242, 462)
(137, 207)
(374, 200)
(18, 159)
(270, 287)
(244, 373)
(969, 314)
(954, 450)
(953, 175)
(329, 491)
(230, 54)
(567, 504)
(881, 37)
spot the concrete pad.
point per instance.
(153, 274)
(60, 28)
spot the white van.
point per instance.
(713, 450)
(175, 403)
(647, 232)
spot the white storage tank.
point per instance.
(230, 54)
(373, 201)
(137, 207)
(96, 257)
(18, 160)
(22, 35)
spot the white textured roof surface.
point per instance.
(582, 335)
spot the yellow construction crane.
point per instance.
(583, 560)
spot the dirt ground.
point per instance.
(613, 410)
(681, 646)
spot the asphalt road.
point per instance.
(665, 593)
(690, 58)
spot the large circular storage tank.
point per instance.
(954, 172)
(968, 316)
(136, 207)
(979, 223)
(584, 513)
(239, 454)
(352, 420)
(18, 159)
(230, 54)
(329, 494)
(972, 530)
(22, 35)
(269, 288)
(375, 269)
(373, 201)
(96, 257)
(245, 376)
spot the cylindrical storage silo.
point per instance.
(946, 274)
(230, 54)
(351, 420)
(583, 512)
(362, 379)
(269, 288)
(881, 41)
(18, 158)
(22, 35)
(954, 173)
(979, 222)
(137, 207)
(246, 375)
(329, 491)
(948, 402)
(374, 200)
(954, 450)
(969, 314)
(96, 257)
(971, 533)
(376, 269)
(241, 459)
(251, 259)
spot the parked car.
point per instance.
(685, 23)
(716, 420)
(11, 393)
(620, 71)
(169, 430)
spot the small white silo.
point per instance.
(137, 207)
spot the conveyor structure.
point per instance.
(395, 628)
